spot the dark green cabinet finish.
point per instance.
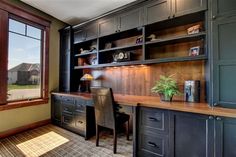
(130, 19)
(192, 135)
(183, 7)
(65, 54)
(86, 32)
(225, 133)
(156, 11)
(107, 26)
(73, 113)
(56, 110)
(224, 61)
(221, 8)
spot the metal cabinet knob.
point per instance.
(211, 117)
(213, 17)
(215, 104)
(218, 118)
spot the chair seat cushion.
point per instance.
(121, 118)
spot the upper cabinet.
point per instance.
(86, 32)
(160, 10)
(107, 26)
(183, 7)
(223, 8)
(157, 11)
(131, 19)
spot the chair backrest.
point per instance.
(104, 106)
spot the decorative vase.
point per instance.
(165, 98)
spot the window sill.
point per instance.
(20, 104)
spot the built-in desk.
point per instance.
(167, 128)
(154, 102)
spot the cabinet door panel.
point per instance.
(191, 135)
(183, 7)
(223, 7)
(157, 11)
(131, 19)
(79, 36)
(225, 137)
(224, 61)
(107, 26)
(91, 31)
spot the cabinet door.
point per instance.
(223, 8)
(79, 35)
(91, 31)
(225, 141)
(156, 11)
(183, 7)
(131, 19)
(65, 48)
(224, 59)
(191, 135)
(107, 26)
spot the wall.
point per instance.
(10, 119)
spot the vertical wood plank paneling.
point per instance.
(138, 80)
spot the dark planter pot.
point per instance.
(165, 98)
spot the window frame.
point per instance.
(7, 12)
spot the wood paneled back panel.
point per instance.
(138, 80)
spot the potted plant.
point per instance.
(166, 87)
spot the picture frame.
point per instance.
(194, 51)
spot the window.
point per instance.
(24, 44)
(24, 61)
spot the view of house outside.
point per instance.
(24, 57)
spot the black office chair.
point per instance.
(107, 114)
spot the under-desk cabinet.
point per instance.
(74, 113)
(165, 133)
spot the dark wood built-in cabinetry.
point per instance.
(74, 113)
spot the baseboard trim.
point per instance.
(24, 128)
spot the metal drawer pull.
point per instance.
(152, 144)
(80, 122)
(154, 119)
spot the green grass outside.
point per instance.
(11, 87)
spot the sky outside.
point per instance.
(23, 49)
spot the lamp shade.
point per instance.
(86, 77)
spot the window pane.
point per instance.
(18, 27)
(24, 62)
(33, 32)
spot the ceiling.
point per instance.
(76, 11)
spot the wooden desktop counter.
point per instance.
(154, 102)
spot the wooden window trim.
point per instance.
(10, 11)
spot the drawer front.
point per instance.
(80, 106)
(67, 120)
(80, 122)
(153, 145)
(68, 108)
(67, 100)
(154, 120)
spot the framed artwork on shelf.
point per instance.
(194, 51)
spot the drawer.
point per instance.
(79, 108)
(153, 145)
(154, 120)
(67, 100)
(80, 122)
(68, 108)
(68, 120)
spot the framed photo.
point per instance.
(194, 51)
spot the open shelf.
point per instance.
(121, 47)
(181, 38)
(85, 54)
(176, 59)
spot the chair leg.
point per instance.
(127, 130)
(114, 141)
(97, 135)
